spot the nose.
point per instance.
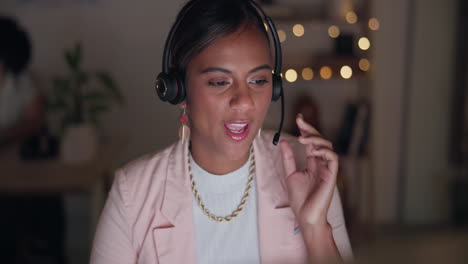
(242, 99)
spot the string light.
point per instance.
(282, 35)
(364, 64)
(374, 24)
(298, 30)
(334, 31)
(346, 72)
(307, 74)
(291, 75)
(351, 17)
(364, 43)
(326, 72)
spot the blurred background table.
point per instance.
(19, 176)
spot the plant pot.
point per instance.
(79, 143)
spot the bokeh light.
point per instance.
(334, 31)
(346, 72)
(364, 43)
(351, 17)
(298, 30)
(326, 72)
(282, 35)
(307, 74)
(374, 24)
(364, 64)
(291, 75)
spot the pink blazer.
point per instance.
(148, 214)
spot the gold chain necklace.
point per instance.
(243, 200)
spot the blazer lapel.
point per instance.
(173, 231)
(279, 242)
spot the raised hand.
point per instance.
(310, 191)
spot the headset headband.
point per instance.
(269, 22)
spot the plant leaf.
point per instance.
(82, 78)
(95, 97)
(61, 86)
(73, 57)
(78, 54)
(108, 82)
(58, 105)
(70, 59)
(97, 109)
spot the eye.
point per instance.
(259, 82)
(218, 83)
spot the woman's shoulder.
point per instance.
(146, 170)
(151, 159)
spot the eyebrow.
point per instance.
(219, 69)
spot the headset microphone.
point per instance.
(278, 133)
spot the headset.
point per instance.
(170, 85)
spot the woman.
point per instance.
(227, 195)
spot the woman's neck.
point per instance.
(215, 163)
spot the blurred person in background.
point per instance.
(21, 104)
(32, 225)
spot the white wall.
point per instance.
(387, 93)
(430, 112)
(426, 120)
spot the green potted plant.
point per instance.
(80, 97)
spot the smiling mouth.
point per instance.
(237, 131)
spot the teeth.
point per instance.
(236, 126)
(237, 131)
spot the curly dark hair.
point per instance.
(15, 46)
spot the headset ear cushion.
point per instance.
(179, 85)
(277, 87)
(165, 87)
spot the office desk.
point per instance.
(53, 176)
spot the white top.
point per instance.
(226, 242)
(15, 95)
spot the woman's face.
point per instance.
(229, 86)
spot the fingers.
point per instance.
(310, 137)
(289, 161)
(317, 146)
(305, 128)
(329, 157)
(316, 141)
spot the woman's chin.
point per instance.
(237, 150)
